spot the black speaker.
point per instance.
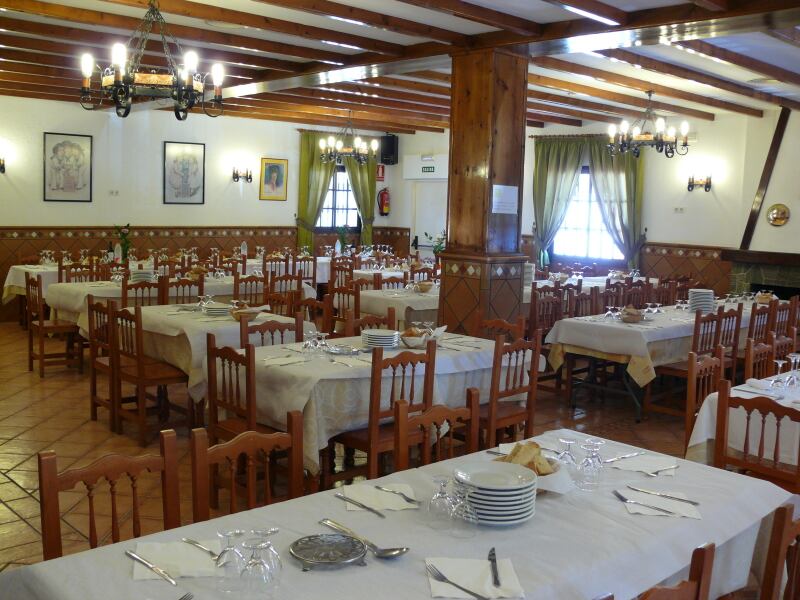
(389, 148)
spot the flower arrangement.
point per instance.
(123, 233)
(438, 242)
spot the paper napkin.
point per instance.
(476, 575)
(647, 463)
(682, 509)
(374, 498)
(178, 559)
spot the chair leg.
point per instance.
(30, 348)
(141, 405)
(92, 393)
(41, 355)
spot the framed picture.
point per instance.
(274, 173)
(184, 173)
(67, 167)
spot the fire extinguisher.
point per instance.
(383, 202)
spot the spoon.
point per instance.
(379, 552)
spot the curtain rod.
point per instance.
(556, 137)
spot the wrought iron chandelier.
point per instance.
(125, 79)
(334, 148)
(633, 137)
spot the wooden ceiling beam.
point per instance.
(611, 14)
(326, 8)
(182, 32)
(743, 61)
(376, 92)
(334, 123)
(548, 118)
(712, 4)
(642, 85)
(571, 112)
(479, 14)
(207, 12)
(659, 66)
(532, 123)
(75, 35)
(641, 102)
(407, 84)
(325, 95)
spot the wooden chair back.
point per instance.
(637, 296)
(784, 345)
(665, 293)
(142, 293)
(101, 327)
(306, 267)
(582, 304)
(34, 299)
(491, 328)
(270, 332)
(341, 271)
(402, 373)
(249, 448)
(344, 300)
(184, 290)
(784, 316)
(281, 304)
(275, 265)
(544, 313)
(698, 585)
(362, 283)
(436, 446)
(572, 287)
(114, 469)
(379, 282)
(422, 274)
(319, 312)
(704, 373)
(706, 335)
(283, 284)
(252, 289)
(756, 458)
(235, 265)
(78, 274)
(783, 557)
(227, 369)
(353, 326)
(760, 318)
(547, 290)
(730, 328)
(758, 359)
(128, 338)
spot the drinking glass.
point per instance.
(590, 469)
(262, 572)
(658, 308)
(440, 506)
(464, 518)
(792, 380)
(230, 562)
(609, 312)
(322, 341)
(310, 345)
(777, 382)
(566, 456)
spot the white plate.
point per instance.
(502, 494)
(496, 476)
(380, 333)
(484, 504)
(506, 516)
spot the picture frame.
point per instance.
(273, 184)
(67, 167)
(184, 173)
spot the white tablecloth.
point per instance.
(590, 282)
(577, 546)
(15, 279)
(408, 306)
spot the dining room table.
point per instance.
(14, 284)
(577, 545)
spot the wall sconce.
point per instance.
(247, 175)
(2, 165)
(698, 183)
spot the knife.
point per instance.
(158, 571)
(493, 563)
(663, 495)
(616, 458)
(360, 505)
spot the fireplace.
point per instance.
(754, 271)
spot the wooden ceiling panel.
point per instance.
(479, 14)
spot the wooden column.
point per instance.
(482, 266)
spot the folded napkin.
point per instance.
(178, 559)
(475, 575)
(374, 498)
(682, 509)
(759, 384)
(647, 463)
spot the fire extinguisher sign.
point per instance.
(380, 172)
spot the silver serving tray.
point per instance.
(328, 550)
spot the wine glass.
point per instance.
(566, 456)
(262, 572)
(439, 508)
(609, 312)
(777, 382)
(230, 562)
(590, 469)
(463, 517)
(310, 345)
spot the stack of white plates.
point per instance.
(216, 309)
(380, 338)
(500, 494)
(142, 275)
(700, 299)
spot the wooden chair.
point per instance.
(730, 327)
(755, 459)
(341, 271)
(353, 326)
(113, 468)
(422, 274)
(759, 326)
(610, 296)
(491, 328)
(319, 312)
(783, 317)
(253, 446)
(705, 339)
(283, 284)
(344, 300)
(379, 282)
(136, 369)
(41, 329)
(361, 283)
(184, 290)
(235, 265)
(637, 296)
(142, 293)
(783, 556)
(101, 344)
(78, 274)
(520, 361)
(582, 304)
(785, 344)
(758, 360)
(704, 375)
(281, 304)
(269, 331)
(378, 437)
(429, 424)
(546, 290)
(252, 289)
(274, 265)
(545, 310)
(696, 587)
(665, 293)
(307, 269)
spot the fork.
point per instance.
(187, 596)
(439, 576)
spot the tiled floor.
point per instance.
(53, 413)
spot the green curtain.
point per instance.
(315, 178)
(362, 182)
(556, 167)
(618, 181)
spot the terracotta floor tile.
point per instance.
(11, 491)
(40, 434)
(28, 480)
(27, 508)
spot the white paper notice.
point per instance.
(505, 199)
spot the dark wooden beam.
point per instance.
(548, 118)
(641, 102)
(746, 62)
(479, 14)
(712, 4)
(611, 14)
(766, 175)
(326, 8)
(642, 85)
(320, 94)
(660, 66)
(536, 124)
(759, 257)
(571, 112)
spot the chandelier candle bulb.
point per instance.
(87, 67)
(374, 144)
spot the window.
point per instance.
(339, 209)
(583, 233)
